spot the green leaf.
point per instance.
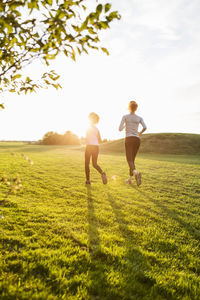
(91, 30)
(13, 41)
(107, 7)
(16, 76)
(2, 106)
(85, 50)
(56, 78)
(56, 86)
(73, 56)
(104, 25)
(99, 8)
(96, 40)
(61, 15)
(50, 2)
(9, 27)
(66, 52)
(93, 47)
(91, 18)
(79, 51)
(105, 50)
(114, 15)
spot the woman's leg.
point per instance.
(135, 148)
(87, 162)
(129, 154)
(95, 153)
(136, 145)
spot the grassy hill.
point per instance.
(160, 143)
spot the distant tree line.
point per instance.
(54, 138)
(68, 138)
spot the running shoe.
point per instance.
(138, 178)
(129, 181)
(104, 178)
(87, 182)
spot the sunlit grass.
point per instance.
(61, 240)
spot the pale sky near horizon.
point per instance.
(154, 59)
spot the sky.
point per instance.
(154, 60)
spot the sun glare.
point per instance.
(80, 125)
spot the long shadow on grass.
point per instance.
(94, 239)
(136, 282)
(99, 286)
(186, 226)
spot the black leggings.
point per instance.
(132, 144)
(91, 150)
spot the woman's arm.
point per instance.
(122, 124)
(141, 132)
(86, 137)
(143, 125)
(99, 137)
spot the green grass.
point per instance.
(61, 240)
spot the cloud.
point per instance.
(154, 25)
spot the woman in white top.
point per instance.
(132, 141)
(93, 139)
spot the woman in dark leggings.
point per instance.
(93, 139)
(132, 141)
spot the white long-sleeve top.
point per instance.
(131, 123)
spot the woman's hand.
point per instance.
(141, 132)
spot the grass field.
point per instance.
(61, 240)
